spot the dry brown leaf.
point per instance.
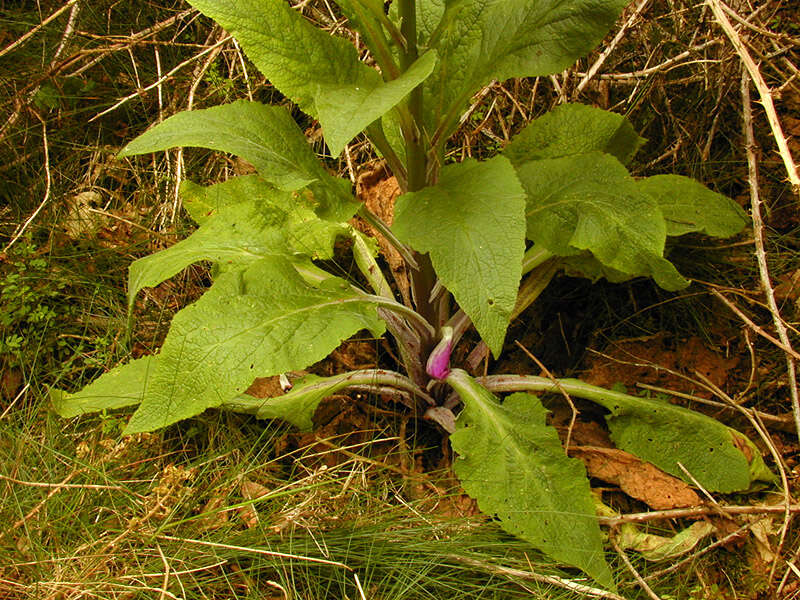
(650, 360)
(265, 387)
(637, 478)
(251, 491)
(378, 191)
(211, 517)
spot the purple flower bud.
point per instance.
(438, 365)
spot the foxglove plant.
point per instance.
(481, 240)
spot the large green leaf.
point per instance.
(513, 464)
(720, 458)
(261, 321)
(482, 40)
(574, 129)
(689, 206)
(590, 202)
(120, 387)
(320, 72)
(472, 223)
(265, 136)
(346, 110)
(297, 57)
(253, 220)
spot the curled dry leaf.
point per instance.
(658, 547)
(635, 477)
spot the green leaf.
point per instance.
(571, 129)
(253, 220)
(345, 110)
(297, 406)
(293, 54)
(665, 435)
(513, 464)
(472, 223)
(590, 202)
(484, 40)
(265, 136)
(320, 72)
(293, 213)
(260, 321)
(120, 387)
(689, 206)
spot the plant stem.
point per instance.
(408, 341)
(377, 136)
(372, 378)
(383, 229)
(424, 278)
(534, 256)
(415, 152)
(416, 319)
(573, 387)
(369, 267)
(534, 285)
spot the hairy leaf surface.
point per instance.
(590, 202)
(689, 206)
(261, 321)
(472, 223)
(571, 129)
(513, 464)
(482, 40)
(265, 136)
(320, 72)
(294, 213)
(253, 220)
(346, 110)
(120, 387)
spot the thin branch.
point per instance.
(663, 66)
(749, 322)
(161, 79)
(763, 92)
(32, 32)
(642, 583)
(609, 49)
(761, 256)
(697, 511)
(48, 183)
(566, 584)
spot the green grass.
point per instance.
(114, 516)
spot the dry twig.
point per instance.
(763, 91)
(761, 256)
